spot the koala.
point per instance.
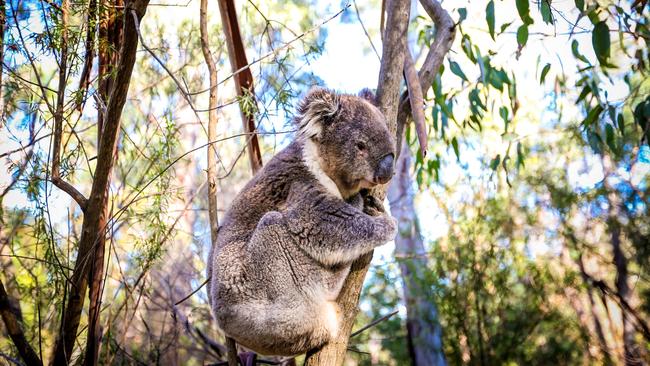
(287, 242)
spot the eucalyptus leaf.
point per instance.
(522, 35)
(601, 42)
(545, 71)
(489, 17)
(455, 68)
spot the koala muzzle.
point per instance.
(384, 169)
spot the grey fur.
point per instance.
(286, 244)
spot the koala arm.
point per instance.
(331, 230)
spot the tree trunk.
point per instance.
(92, 228)
(111, 29)
(388, 91)
(422, 325)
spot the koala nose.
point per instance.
(385, 169)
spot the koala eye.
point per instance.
(361, 146)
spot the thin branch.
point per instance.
(445, 32)
(365, 31)
(373, 323)
(277, 50)
(417, 101)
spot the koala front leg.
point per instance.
(332, 231)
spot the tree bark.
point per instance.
(15, 330)
(632, 356)
(243, 78)
(111, 31)
(92, 229)
(423, 328)
(388, 91)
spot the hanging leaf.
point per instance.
(520, 155)
(545, 71)
(454, 144)
(609, 137)
(594, 141)
(523, 7)
(463, 14)
(545, 9)
(489, 17)
(580, 4)
(583, 94)
(495, 162)
(592, 116)
(522, 35)
(503, 112)
(455, 68)
(621, 123)
(601, 41)
(576, 52)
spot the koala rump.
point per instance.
(287, 242)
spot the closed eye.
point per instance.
(361, 146)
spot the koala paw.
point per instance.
(372, 206)
(356, 201)
(388, 225)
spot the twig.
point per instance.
(271, 53)
(365, 30)
(193, 292)
(373, 323)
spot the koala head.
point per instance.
(345, 138)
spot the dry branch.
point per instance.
(243, 78)
(417, 101)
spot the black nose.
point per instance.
(384, 169)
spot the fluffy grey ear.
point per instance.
(368, 95)
(318, 108)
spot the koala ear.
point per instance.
(318, 108)
(368, 95)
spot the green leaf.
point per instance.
(545, 9)
(489, 17)
(520, 155)
(601, 41)
(503, 112)
(523, 7)
(545, 71)
(576, 52)
(463, 14)
(592, 116)
(609, 137)
(583, 94)
(455, 68)
(621, 123)
(454, 144)
(522, 35)
(594, 141)
(466, 44)
(495, 162)
(580, 4)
